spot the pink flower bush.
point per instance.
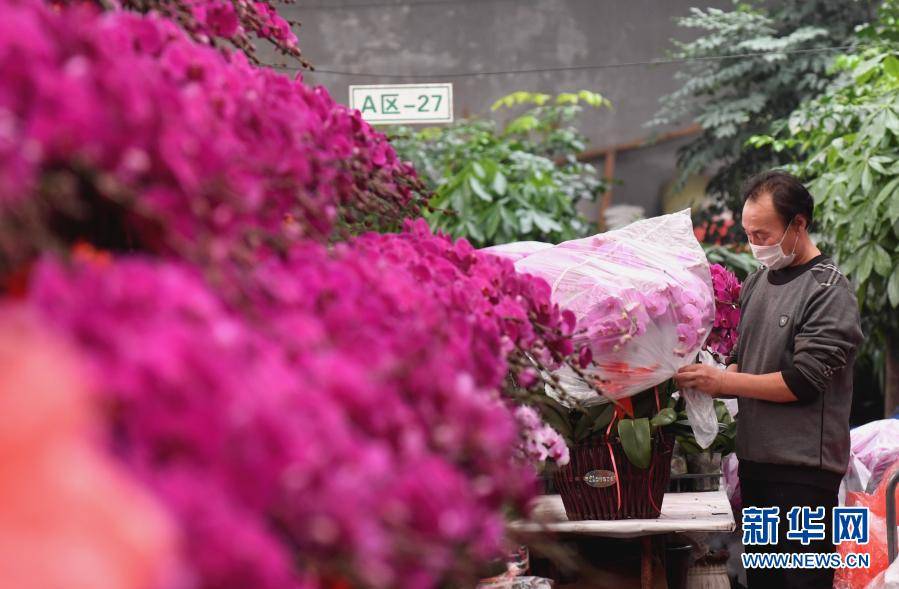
(358, 445)
(235, 23)
(340, 412)
(308, 413)
(723, 337)
(120, 128)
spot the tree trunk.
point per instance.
(891, 382)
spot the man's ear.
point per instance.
(802, 222)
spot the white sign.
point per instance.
(404, 103)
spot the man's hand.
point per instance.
(700, 377)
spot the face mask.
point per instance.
(773, 256)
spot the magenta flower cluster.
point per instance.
(188, 149)
(726, 285)
(313, 415)
(235, 19)
(341, 414)
(237, 24)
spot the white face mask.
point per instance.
(773, 256)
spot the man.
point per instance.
(791, 372)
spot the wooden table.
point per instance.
(681, 512)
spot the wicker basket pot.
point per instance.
(594, 486)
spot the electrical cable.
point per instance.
(625, 64)
(331, 7)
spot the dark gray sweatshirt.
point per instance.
(802, 321)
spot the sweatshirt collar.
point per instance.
(790, 273)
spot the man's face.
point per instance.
(761, 222)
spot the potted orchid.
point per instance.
(620, 447)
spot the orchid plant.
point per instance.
(635, 420)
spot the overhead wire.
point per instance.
(570, 68)
(401, 4)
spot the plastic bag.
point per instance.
(701, 408)
(730, 468)
(888, 579)
(876, 547)
(855, 480)
(642, 296)
(519, 249)
(876, 446)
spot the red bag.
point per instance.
(877, 538)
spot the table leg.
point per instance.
(646, 562)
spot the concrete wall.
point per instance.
(466, 35)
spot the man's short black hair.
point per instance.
(790, 197)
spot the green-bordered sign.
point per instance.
(404, 103)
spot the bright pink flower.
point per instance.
(723, 337)
(196, 152)
(220, 19)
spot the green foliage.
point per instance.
(846, 146)
(724, 443)
(734, 99)
(589, 424)
(522, 181)
(734, 258)
(635, 441)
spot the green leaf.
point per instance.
(664, 417)
(479, 170)
(893, 211)
(473, 231)
(856, 173)
(867, 179)
(721, 412)
(891, 66)
(510, 223)
(526, 221)
(594, 99)
(478, 189)
(865, 69)
(882, 263)
(522, 124)
(500, 183)
(886, 191)
(491, 223)
(582, 427)
(520, 97)
(635, 441)
(893, 288)
(878, 163)
(689, 445)
(866, 264)
(545, 223)
(602, 415)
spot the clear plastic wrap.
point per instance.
(642, 296)
(876, 446)
(701, 408)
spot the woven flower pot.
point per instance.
(593, 485)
